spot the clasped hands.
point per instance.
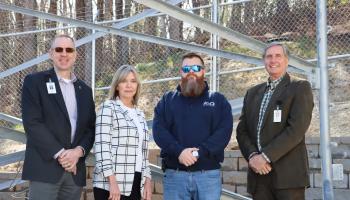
(186, 158)
(69, 158)
(259, 164)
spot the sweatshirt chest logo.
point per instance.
(209, 104)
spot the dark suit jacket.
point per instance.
(47, 126)
(283, 142)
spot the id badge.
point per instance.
(277, 115)
(51, 88)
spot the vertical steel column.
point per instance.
(93, 65)
(93, 58)
(324, 110)
(214, 45)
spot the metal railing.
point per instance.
(5, 133)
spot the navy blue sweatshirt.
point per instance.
(204, 122)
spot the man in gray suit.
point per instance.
(59, 120)
(271, 131)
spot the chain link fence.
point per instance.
(290, 21)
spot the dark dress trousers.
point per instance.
(282, 142)
(48, 130)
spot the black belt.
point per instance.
(188, 170)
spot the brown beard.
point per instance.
(192, 87)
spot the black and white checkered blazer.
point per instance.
(116, 143)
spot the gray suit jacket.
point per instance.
(283, 142)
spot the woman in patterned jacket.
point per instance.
(121, 143)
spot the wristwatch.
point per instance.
(195, 154)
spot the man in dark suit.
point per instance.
(59, 120)
(271, 131)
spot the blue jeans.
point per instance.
(199, 185)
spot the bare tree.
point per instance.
(108, 40)
(200, 36)
(5, 56)
(122, 48)
(64, 10)
(235, 21)
(248, 18)
(83, 12)
(4, 26)
(100, 15)
(25, 49)
(206, 12)
(262, 16)
(149, 49)
(136, 45)
(198, 32)
(51, 24)
(176, 28)
(99, 42)
(29, 47)
(279, 22)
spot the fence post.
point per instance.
(214, 44)
(324, 101)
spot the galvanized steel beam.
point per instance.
(11, 158)
(124, 33)
(10, 134)
(219, 30)
(80, 42)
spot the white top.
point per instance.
(68, 93)
(133, 115)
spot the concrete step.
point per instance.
(316, 194)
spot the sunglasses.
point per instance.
(68, 49)
(195, 68)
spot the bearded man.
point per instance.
(192, 126)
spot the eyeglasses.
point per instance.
(68, 49)
(195, 68)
